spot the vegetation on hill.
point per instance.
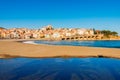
(108, 33)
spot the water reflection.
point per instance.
(60, 69)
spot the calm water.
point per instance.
(105, 43)
(60, 69)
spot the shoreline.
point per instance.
(56, 40)
(15, 49)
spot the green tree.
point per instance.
(114, 33)
(94, 31)
(107, 33)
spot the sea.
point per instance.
(92, 43)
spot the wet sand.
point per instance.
(13, 48)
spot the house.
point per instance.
(56, 35)
(82, 31)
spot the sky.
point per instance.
(98, 14)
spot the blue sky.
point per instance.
(98, 14)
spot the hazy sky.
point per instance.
(98, 14)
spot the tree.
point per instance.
(114, 33)
(107, 33)
(94, 31)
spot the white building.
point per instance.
(35, 35)
(47, 36)
(68, 34)
(91, 32)
(81, 31)
(56, 35)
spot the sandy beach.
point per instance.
(13, 48)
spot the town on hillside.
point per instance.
(49, 33)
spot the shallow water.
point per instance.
(102, 43)
(60, 69)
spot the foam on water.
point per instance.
(29, 42)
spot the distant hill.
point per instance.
(2, 28)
